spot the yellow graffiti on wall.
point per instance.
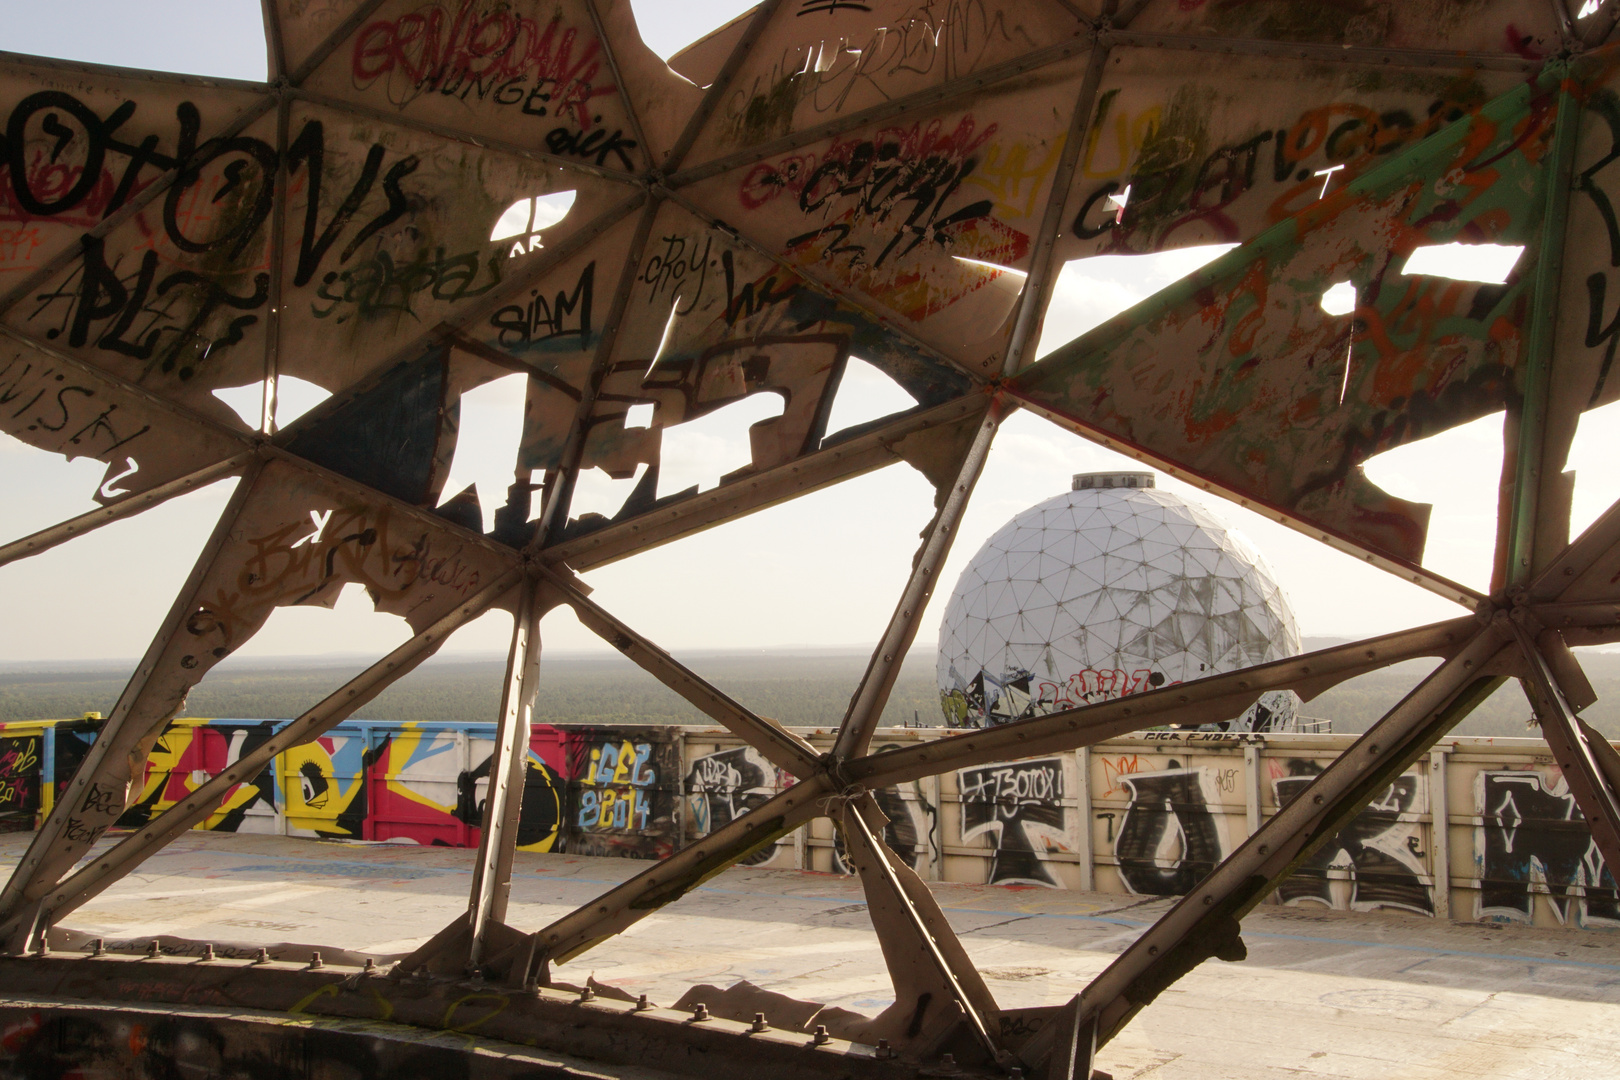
(312, 792)
(168, 781)
(1120, 139)
(542, 802)
(1011, 179)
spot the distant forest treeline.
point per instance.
(799, 690)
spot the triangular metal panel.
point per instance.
(819, 59)
(530, 73)
(1246, 374)
(917, 220)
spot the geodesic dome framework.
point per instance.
(891, 180)
(1107, 591)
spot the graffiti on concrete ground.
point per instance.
(1381, 852)
(1019, 807)
(1533, 840)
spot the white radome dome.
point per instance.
(1113, 588)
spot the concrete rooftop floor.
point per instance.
(1323, 994)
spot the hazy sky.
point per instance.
(822, 570)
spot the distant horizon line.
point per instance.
(485, 655)
(284, 659)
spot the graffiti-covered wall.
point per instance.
(1148, 815)
(591, 790)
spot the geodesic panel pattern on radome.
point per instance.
(1105, 592)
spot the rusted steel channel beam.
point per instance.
(612, 1032)
(508, 770)
(1577, 759)
(674, 877)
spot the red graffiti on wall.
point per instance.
(1124, 765)
(1099, 684)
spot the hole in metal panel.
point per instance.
(489, 429)
(1457, 472)
(1489, 263)
(866, 393)
(347, 614)
(1088, 292)
(595, 492)
(245, 401)
(701, 451)
(1592, 454)
(524, 220)
(295, 397)
(1340, 299)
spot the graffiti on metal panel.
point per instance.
(478, 52)
(1171, 833)
(21, 768)
(1181, 188)
(377, 283)
(1019, 808)
(540, 320)
(1533, 842)
(167, 318)
(1381, 850)
(1421, 354)
(183, 300)
(858, 191)
(66, 412)
(187, 755)
(623, 787)
(723, 786)
(1601, 329)
(349, 544)
(823, 74)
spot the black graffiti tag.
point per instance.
(1385, 860)
(61, 158)
(1168, 838)
(1534, 838)
(1013, 804)
(724, 786)
(568, 314)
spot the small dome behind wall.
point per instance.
(1113, 588)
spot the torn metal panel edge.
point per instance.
(839, 461)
